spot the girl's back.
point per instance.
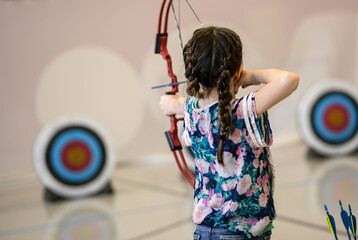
(237, 195)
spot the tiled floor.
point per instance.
(152, 202)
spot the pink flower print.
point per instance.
(196, 184)
(263, 200)
(205, 180)
(266, 190)
(215, 201)
(261, 166)
(202, 165)
(265, 179)
(210, 137)
(229, 166)
(259, 226)
(195, 116)
(236, 136)
(188, 125)
(249, 192)
(258, 152)
(229, 185)
(240, 152)
(193, 128)
(212, 168)
(200, 212)
(204, 123)
(233, 206)
(259, 180)
(239, 110)
(238, 165)
(256, 163)
(244, 184)
(265, 163)
(225, 208)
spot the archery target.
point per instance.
(73, 157)
(328, 118)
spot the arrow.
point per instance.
(331, 223)
(168, 85)
(345, 219)
(352, 223)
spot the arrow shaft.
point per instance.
(168, 85)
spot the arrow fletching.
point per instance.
(331, 223)
(352, 223)
(345, 219)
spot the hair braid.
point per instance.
(212, 57)
(225, 117)
(193, 85)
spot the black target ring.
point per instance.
(53, 170)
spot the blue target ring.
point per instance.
(60, 143)
(55, 161)
(348, 128)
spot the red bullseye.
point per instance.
(76, 156)
(336, 118)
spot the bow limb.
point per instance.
(172, 134)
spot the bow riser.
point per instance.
(172, 134)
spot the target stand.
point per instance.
(327, 118)
(73, 158)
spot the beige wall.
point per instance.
(95, 58)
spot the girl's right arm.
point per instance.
(279, 84)
(172, 104)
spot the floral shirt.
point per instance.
(238, 195)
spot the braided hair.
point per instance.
(212, 57)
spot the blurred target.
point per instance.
(73, 157)
(84, 219)
(332, 181)
(328, 119)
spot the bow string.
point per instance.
(161, 48)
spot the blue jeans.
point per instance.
(207, 233)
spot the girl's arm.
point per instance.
(279, 84)
(172, 104)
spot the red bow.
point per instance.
(172, 134)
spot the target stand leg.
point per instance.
(314, 155)
(50, 196)
(108, 189)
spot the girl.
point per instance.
(229, 137)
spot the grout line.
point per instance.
(155, 188)
(308, 224)
(162, 229)
(104, 216)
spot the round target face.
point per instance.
(73, 157)
(328, 119)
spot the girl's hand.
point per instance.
(172, 104)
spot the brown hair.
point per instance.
(212, 57)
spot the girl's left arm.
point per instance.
(172, 104)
